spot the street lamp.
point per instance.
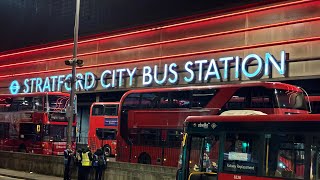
(74, 62)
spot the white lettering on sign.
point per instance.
(202, 70)
(236, 177)
(203, 125)
(238, 156)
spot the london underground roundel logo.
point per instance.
(14, 87)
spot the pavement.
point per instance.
(26, 175)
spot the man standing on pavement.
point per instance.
(67, 162)
(86, 162)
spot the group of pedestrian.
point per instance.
(85, 161)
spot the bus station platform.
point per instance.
(26, 175)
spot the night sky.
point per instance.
(34, 22)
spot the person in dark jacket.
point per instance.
(99, 163)
(77, 157)
(86, 162)
(68, 158)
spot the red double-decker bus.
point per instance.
(151, 120)
(34, 123)
(103, 127)
(251, 147)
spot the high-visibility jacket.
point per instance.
(85, 159)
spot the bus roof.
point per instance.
(35, 94)
(105, 103)
(276, 85)
(256, 118)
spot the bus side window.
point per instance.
(239, 100)
(97, 110)
(38, 103)
(174, 138)
(201, 98)
(4, 130)
(286, 156)
(132, 101)
(261, 98)
(241, 150)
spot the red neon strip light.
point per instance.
(168, 41)
(173, 56)
(162, 27)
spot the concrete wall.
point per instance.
(53, 165)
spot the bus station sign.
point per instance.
(198, 70)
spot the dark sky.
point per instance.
(34, 22)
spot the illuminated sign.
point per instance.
(199, 70)
(110, 122)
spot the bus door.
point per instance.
(203, 157)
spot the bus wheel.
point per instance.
(144, 158)
(107, 150)
(22, 148)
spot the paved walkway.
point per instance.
(26, 175)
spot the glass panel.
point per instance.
(201, 98)
(252, 97)
(38, 103)
(195, 153)
(106, 134)
(28, 132)
(204, 154)
(241, 151)
(57, 133)
(131, 101)
(291, 99)
(315, 106)
(180, 99)
(22, 104)
(149, 100)
(286, 156)
(4, 130)
(58, 103)
(262, 98)
(111, 110)
(174, 138)
(148, 137)
(97, 110)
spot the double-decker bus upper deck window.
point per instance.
(200, 98)
(131, 101)
(180, 99)
(97, 110)
(38, 103)
(251, 97)
(58, 103)
(315, 107)
(5, 104)
(149, 100)
(22, 104)
(291, 99)
(110, 110)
